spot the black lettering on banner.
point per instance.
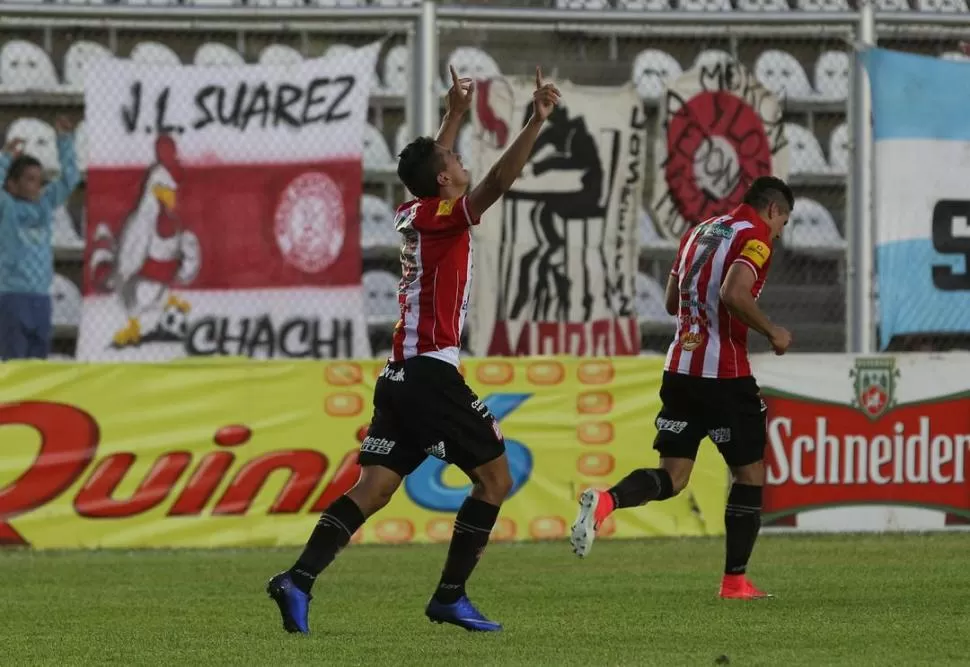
(161, 107)
(286, 96)
(945, 213)
(295, 338)
(129, 115)
(344, 85)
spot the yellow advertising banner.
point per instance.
(244, 453)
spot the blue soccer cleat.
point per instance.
(294, 604)
(461, 613)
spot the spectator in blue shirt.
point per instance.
(26, 255)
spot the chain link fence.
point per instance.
(805, 66)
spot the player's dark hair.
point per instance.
(19, 165)
(767, 190)
(418, 167)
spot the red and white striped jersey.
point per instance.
(710, 342)
(436, 277)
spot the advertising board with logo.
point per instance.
(867, 443)
(223, 210)
(241, 453)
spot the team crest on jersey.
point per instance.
(691, 340)
(445, 207)
(757, 251)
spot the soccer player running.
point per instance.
(422, 405)
(707, 387)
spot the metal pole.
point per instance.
(860, 295)
(425, 71)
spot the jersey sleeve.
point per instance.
(754, 251)
(680, 252)
(444, 215)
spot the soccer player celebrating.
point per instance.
(422, 405)
(707, 386)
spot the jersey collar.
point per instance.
(747, 212)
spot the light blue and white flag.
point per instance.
(921, 114)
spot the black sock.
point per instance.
(641, 486)
(742, 521)
(333, 531)
(473, 525)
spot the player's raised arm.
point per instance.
(736, 295)
(503, 173)
(457, 103)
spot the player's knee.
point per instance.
(374, 490)
(752, 474)
(678, 483)
(493, 483)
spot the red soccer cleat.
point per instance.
(594, 507)
(739, 587)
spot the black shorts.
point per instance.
(423, 407)
(730, 411)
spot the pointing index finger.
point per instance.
(538, 77)
(454, 77)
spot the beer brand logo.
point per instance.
(875, 385)
(691, 340)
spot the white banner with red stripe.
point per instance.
(223, 210)
(556, 258)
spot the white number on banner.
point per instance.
(951, 236)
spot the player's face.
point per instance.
(777, 219)
(453, 172)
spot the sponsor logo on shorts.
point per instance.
(720, 436)
(393, 375)
(437, 451)
(670, 425)
(497, 430)
(373, 445)
(479, 406)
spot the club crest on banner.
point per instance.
(556, 258)
(875, 385)
(721, 130)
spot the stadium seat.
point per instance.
(942, 6)
(652, 69)
(395, 3)
(277, 3)
(377, 156)
(644, 5)
(81, 146)
(212, 3)
(592, 5)
(64, 236)
(705, 5)
(711, 58)
(473, 64)
(397, 71)
(832, 75)
(782, 74)
(377, 224)
(839, 150)
(65, 302)
(217, 54)
(811, 227)
(380, 296)
(650, 300)
(763, 5)
(823, 5)
(79, 56)
(892, 5)
(402, 137)
(958, 56)
(25, 66)
(39, 140)
(648, 235)
(154, 53)
(280, 54)
(806, 153)
(338, 3)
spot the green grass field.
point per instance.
(851, 600)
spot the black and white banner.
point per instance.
(556, 258)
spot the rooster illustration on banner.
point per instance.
(152, 253)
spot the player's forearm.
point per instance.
(448, 132)
(508, 167)
(745, 308)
